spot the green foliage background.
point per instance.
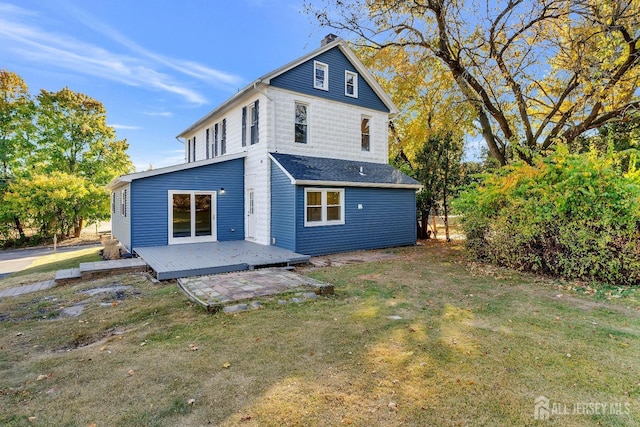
(57, 153)
(570, 215)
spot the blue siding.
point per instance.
(283, 219)
(149, 201)
(300, 79)
(388, 219)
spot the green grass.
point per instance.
(44, 268)
(475, 345)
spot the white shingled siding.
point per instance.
(234, 129)
(334, 129)
(334, 132)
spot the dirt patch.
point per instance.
(113, 293)
(347, 258)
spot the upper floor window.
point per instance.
(223, 137)
(301, 124)
(351, 84)
(253, 114)
(216, 137)
(320, 75)
(365, 137)
(207, 142)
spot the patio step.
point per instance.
(92, 270)
(70, 275)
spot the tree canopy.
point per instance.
(533, 73)
(57, 153)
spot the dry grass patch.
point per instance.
(469, 349)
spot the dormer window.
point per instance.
(320, 75)
(351, 84)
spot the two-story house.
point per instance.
(297, 159)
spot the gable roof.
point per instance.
(265, 80)
(305, 170)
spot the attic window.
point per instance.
(351, 84)
(320, 75)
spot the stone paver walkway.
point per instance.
(218, 290)
(19, 290)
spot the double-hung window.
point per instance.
(320, 75)
(216, 136)
(351, 84)
(223, 138)
(301, 123)
(254, 117)
(364, 133)
(123, 202)
(323, 206)
(207, 143)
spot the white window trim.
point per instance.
(308, 120)
(316, 65)
(369, 119)
(123, 203)
(193, 238)
(324, 221)
(347, 73)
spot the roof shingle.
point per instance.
(309, 169)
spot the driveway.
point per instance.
(19, 259)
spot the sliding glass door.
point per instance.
(192, 216)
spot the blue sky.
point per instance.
(156, 65)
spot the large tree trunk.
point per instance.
(77, 226)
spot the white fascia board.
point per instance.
(356, 184)
(369, 78)
(220, 108)
(117, 182)
(286, 172)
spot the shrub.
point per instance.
(570, 215)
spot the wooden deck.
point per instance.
(197, 259)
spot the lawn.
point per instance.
(426, 338)
(45, 267)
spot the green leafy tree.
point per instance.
(73, 138)
(16, 113)
(571, 215)
(437, 167)
(47, 200)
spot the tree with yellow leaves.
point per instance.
(534, 73)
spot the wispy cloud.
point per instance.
(158, 113)
(125, 127)
(23, 36)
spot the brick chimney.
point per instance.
(328, 39)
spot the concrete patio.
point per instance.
(216, 291)
(197, 259)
